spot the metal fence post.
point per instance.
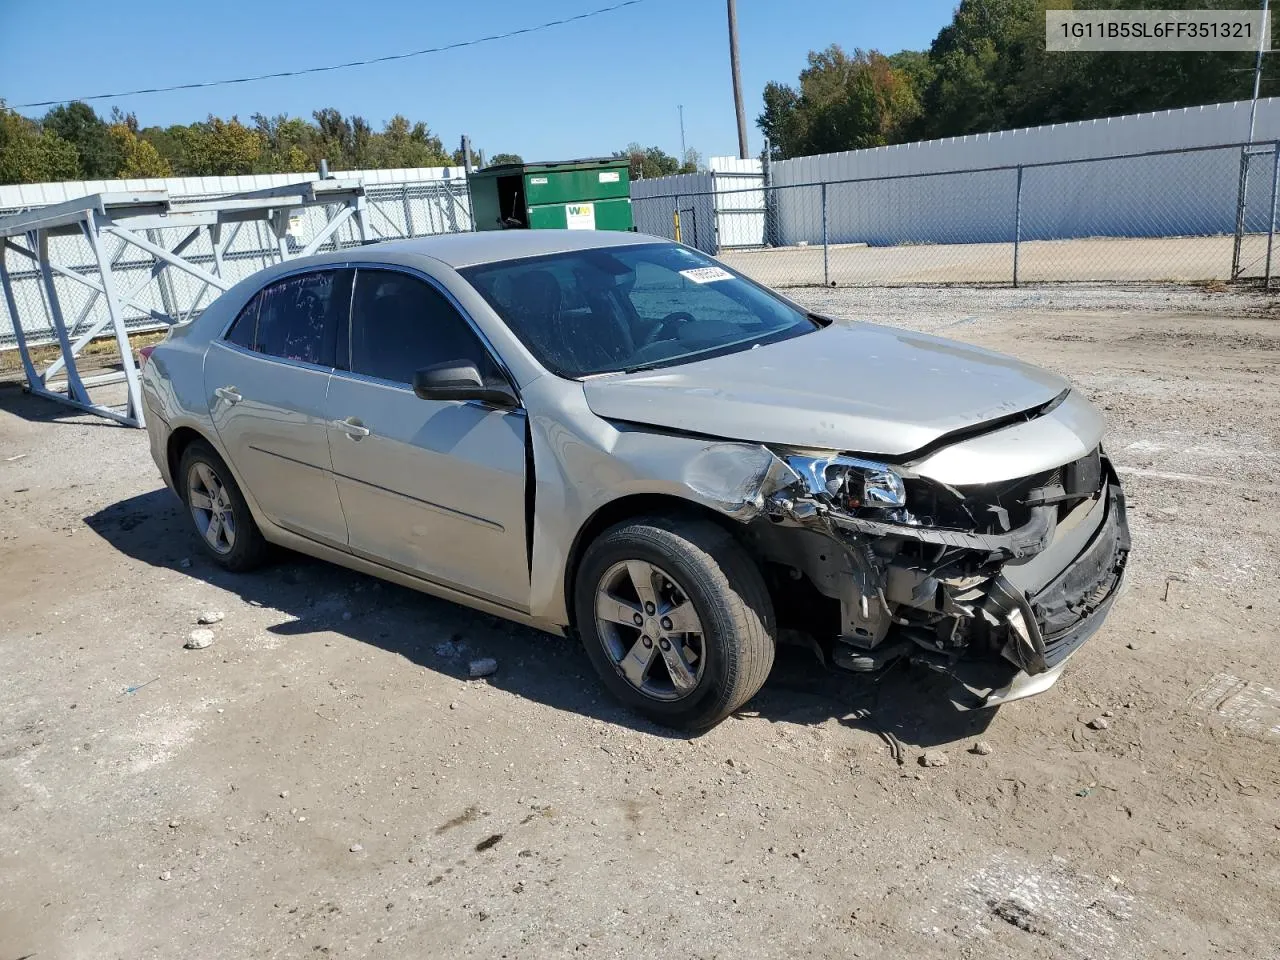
(1017, 226)
(1271, 226)
(770, 202)
(408, 211)
(826, 266)
(1241, 204)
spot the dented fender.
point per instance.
(581, 463)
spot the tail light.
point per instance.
(144, 354)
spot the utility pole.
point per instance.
(684, 152)
(1257, 68)
(737, 79)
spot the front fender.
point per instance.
(582, 463)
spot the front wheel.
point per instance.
(676, 619)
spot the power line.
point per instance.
(343, 66)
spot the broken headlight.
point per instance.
(851, 483)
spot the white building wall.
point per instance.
(1151, 196)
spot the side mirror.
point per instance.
(461, 380)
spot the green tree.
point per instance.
(32, 151)
(844, 103)
(79, 125)
(988, 70)
(290, 145)
(402, 144)
(782, 121)
(650, 162)
(504, 158)
(217, 148)
(137, 157)
(29, 154)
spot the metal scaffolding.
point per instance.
(139, 219)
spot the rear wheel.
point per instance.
(676, 619)
(221, 518)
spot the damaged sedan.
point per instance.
(618, 438)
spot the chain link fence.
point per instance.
(1182, 216)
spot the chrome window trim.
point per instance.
(407, 388)
(336, 370)
(272, 358)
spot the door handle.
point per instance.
(229, 394)
(352, 427)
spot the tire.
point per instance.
(705, 567)
(241, 545)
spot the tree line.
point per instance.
(72, 142)
(988, 70)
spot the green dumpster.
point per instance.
(568, 195)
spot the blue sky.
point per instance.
(577, 90)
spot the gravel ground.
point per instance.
(1096, 260)
(324, 781)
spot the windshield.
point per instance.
(631, 308)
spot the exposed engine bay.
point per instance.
(888, 564)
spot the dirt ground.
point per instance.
(324, 781)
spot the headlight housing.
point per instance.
(851, 482)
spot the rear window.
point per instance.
(296, 318)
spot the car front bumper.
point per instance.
(1068, 607)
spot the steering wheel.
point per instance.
(665, 330)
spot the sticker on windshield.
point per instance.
(707, 274)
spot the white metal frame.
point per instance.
(137, 219)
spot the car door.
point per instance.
(435, 488)
(267, 381)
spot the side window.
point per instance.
(400, 324)
(298, 317)
(246, 325)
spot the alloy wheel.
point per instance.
(210, 505)
(650, 630)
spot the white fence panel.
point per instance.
(1112, 198)
(401, 203)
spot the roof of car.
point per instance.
(467, 249)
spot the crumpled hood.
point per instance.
(852, 386)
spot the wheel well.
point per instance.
(179, 440)
(626, 508)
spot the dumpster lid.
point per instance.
(588, 163)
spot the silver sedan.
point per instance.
(619, 438)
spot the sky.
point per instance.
(582, 89)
